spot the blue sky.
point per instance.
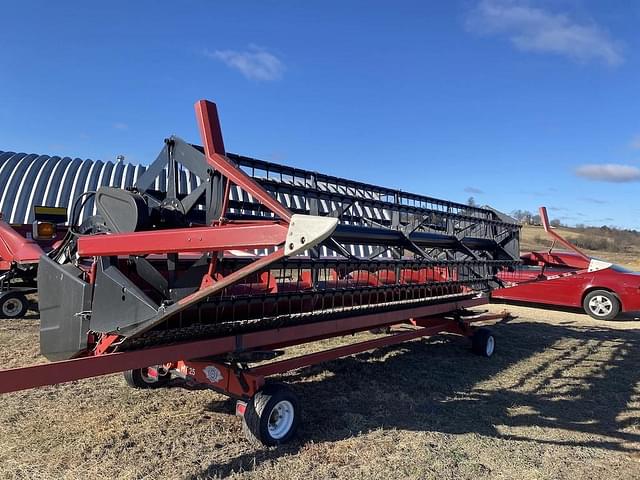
(517, 103)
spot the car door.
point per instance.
(558, 288)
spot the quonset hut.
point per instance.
(27, 180)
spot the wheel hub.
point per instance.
(11, 306)
(600, 305)
(491, 345)
(281, 419)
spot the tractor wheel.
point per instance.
(272, 415)
(601, 305)
(140, 378)
(13, 305)
(483, 342)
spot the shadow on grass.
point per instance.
(622, 317)
(435, 385)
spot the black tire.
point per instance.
(483, 342)
(601, 305)
(274, 403)
(13, 305)
(139, 378)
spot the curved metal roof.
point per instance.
(27, 180)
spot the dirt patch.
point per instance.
(560, 399)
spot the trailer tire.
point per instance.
(271, 416)
(601, 305)
(483, 342)
(13, 305)
(139, 378)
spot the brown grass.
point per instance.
(560, 399)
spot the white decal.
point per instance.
(595, 265)
(212, 374)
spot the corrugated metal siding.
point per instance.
(27, 180)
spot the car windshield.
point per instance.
(621, 269)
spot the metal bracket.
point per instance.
(306, 231)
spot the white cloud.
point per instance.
(635, 142)
(598, 201)
(475, 190)
(256, 63)
(120, 126)
(609, 172)
(537, 30)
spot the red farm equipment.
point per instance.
(20, 249)
(213, 286)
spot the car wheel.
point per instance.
(601, 305)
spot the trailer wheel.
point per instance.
(13, 305)
(140, 378)
(483, 342)
(601, 305)
(272, 415)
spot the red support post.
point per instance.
(221, 377)
(557, 237)
(211, 133)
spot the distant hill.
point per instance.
(613, 245)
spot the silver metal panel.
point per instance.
(30, 180)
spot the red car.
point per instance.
(571, 279)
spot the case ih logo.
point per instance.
(213, 374)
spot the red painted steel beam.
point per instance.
(338, 352)
(557, 237)
(68, 370)
(211, 133)
(226, 380)
(285, 337)
(198, 239)
(203, 293)
(210, 129)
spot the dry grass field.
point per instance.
(559, 399)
